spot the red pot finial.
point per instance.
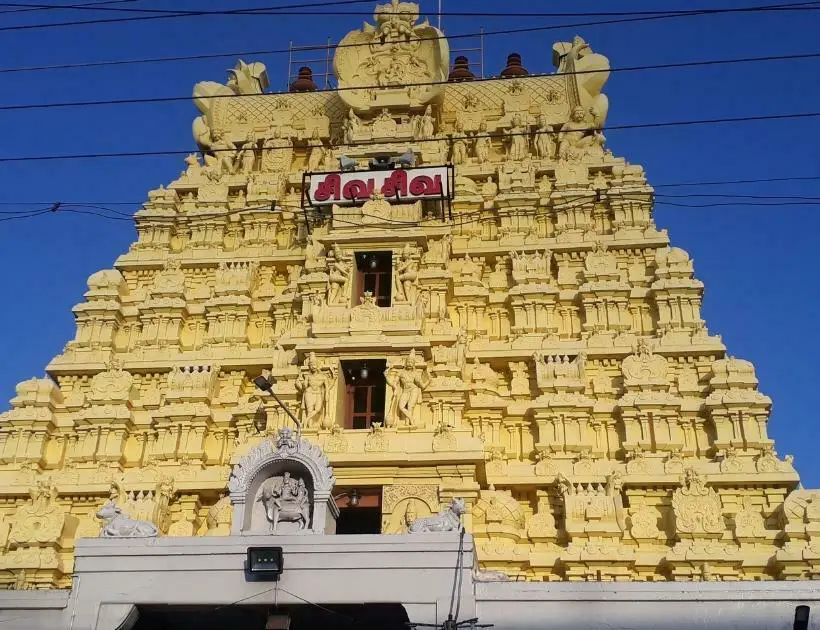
(304, 82)
(461, 70)
(514, 67)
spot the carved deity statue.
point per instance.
(286, 499)
(317, 152)
(246, 156)
(406, 385)
(458, 149)
(351, 126)
(518, 147)
(578, 137)
(338, 275)
(544, 144)
(315, 385)
(424, 126)
(406, 277)
(482, 144)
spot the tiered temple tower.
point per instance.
(458, 290)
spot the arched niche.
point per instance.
(283, 486)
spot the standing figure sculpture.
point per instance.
(286, 500)
(458, 150)
(351, 126)
(338, 275)
(314, 385)
(406, 386)
(518, 148)
(407, 273)
(317, 152)
(544, 145)
(424, 127)
(482, 144)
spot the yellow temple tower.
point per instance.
(457, 289)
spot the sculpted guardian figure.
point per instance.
(544, 145)
(406, 385)
(314, 387)
(578, 137)
(518, 148)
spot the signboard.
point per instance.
(399, 185)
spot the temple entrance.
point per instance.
(305, 617)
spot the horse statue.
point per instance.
(118, 525)
(448, 520)
(286, 500)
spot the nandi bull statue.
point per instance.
(118, 525)
(286, 500)
(448, 520)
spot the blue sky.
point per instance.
(758, 262)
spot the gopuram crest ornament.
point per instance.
(385, 57)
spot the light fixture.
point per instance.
(347, 164)
(801, 618)
(374, 262)
(354, 496)
(262, 383)
(364, 373)
(265, 563)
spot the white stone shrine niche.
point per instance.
(283, 486)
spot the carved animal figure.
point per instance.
(286, 501)
(448, 520)
(118, 525)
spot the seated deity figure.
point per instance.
(578, 137)
(286, 499)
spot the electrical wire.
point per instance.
(26, 8)
(451, 138)
(206, 97)
(281, 10)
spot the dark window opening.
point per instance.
(364, 392)
(374, 275)
(360, 510)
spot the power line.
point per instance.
(763, 180)
(629, 126)
(186, 98)
(26, 8)
(492, 14)
(281, 10)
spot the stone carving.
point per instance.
(458, 146)
(41, 520)
(118, 525)
(315, 384)
(406, 384)
(397, 51)
(482, 377)
(235, 278)
(245, 159)
(351, 127)
(644, 523)
(697, 508)
(644, 369)
(384, 126)
(518, 143)
(482, 144)
(151, 506)
(423, 126)
(316, 156)
(802, 507)
(544, 144)
(580, 137)
(405, 285)
(542, 524)
(589, 71)
(336, 441)
(532, 268)
(593, 508)
(749, 524)
(444, 439)
(218, 520)
(339, 268)
(560, 373)
(277, 152)
(448, 520)
(286, 499)
(377, 440)
(498, 507)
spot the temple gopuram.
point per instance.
(366, 316)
